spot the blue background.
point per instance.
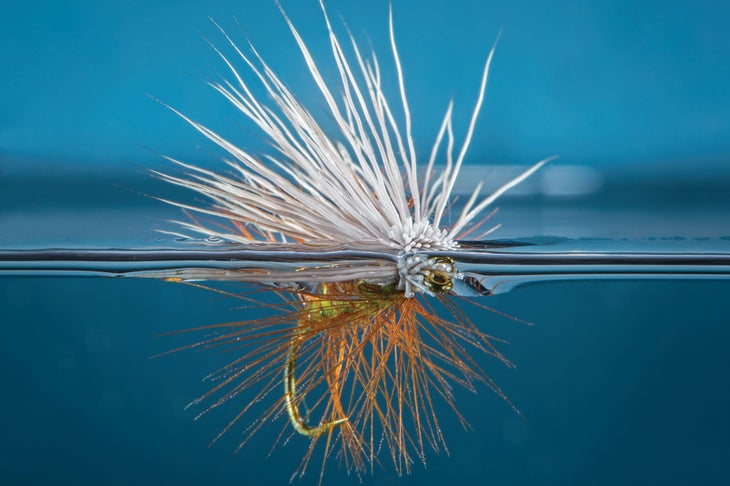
(596, 82)
(619, 382)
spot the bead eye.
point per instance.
(441, 278)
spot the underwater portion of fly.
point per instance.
(357, 357)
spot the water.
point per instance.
(625, 364)
(621, 372)
(621, 379)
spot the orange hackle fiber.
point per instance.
(364, 353)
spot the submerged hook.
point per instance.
(290, 395)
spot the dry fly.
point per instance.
(359, 356)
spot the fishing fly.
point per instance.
(360, 352)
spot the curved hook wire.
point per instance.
(290, 394)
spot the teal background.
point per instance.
(619, 382)
(596, 82)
